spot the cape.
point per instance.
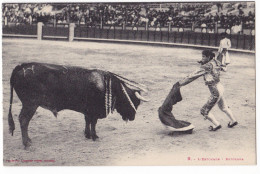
(165, 111)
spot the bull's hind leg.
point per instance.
(25, 116)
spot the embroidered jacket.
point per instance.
(210, 71)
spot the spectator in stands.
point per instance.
(131, 14)
(220, 6)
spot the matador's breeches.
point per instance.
(216, 91)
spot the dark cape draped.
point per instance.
(165, 111)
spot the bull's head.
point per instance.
(129, 98)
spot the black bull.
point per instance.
(94, 93)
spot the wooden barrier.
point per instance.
(239, 41)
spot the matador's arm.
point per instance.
(193, 76)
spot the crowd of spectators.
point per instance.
(130, 14)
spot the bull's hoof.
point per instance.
(27, 144)
(94, 137)
(87, 135)
(29, 140)
(11, 131)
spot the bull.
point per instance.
(94, 93)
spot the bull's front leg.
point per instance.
(93, 129)
(87, 128)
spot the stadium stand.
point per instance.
(232, 15)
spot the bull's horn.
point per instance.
(140, 97)
(136, 87)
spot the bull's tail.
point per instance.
(10, 116)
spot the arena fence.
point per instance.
(72, 32)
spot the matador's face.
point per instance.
(204, 59)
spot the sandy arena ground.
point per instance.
(144, 141)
